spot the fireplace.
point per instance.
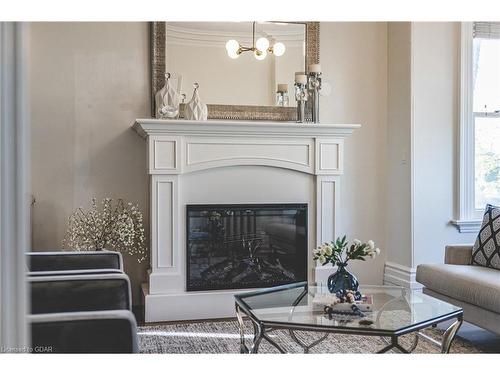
(245, 245)
(240, 162)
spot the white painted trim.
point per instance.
(145, 127)
(251, 151)
(172, 306)
(466, 133)
(164, 232)
(217, 144)
(321, 160)
(157, 144)
(467, 226)
(321, 273)
(412, 146)
(263, 143)
(465, 199)
(14, 184)
(214, 38)
(398, 274)
(327, 209)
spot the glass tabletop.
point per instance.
(392, 309)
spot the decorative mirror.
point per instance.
(242, 67)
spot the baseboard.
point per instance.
(398, 274)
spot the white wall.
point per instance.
(90, 81)
(423, 113)
(436, 88)
(354, 60)
(398, 194)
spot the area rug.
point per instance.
(219, 337)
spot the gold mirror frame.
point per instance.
(226, 111)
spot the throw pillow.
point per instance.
(486, 250)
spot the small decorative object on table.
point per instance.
(314, 85)
(344, 302)
(167, 100)
(301, 95)
(282, 95)
(195, 109)
(115, 227)
(339, 253)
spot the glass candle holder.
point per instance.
(282, 99)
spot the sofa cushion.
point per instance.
(486, 250)
(476, 285)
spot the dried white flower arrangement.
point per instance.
(115, 227)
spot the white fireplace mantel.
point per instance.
(145, 127)
(192, 162)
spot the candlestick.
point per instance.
(301, 95)
(301, 78)
(314, 85)
(282, 95)
(282, 87)
(314, 68)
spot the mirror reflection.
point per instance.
(237, 63)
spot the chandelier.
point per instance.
(260, 48)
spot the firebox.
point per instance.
(237, 246)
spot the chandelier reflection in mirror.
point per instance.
(260, 47)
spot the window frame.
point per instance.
(469, 218)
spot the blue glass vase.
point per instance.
(342, 280)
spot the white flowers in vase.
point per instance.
(340, 253)
(115, 227)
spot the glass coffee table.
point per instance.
(395, 311)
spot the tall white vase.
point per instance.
(195, 109)
(167, 100)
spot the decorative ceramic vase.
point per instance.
(195, 109)
(167, 100)
(342, 280)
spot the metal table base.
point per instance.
(261, 331)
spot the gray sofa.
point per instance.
(475, 289)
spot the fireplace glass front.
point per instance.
(245, 246)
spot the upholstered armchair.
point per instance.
(71, 293)
(108, 331)
(81, 303)
(71, 261)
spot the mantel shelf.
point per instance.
(146, 127)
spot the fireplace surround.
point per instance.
(216, 162)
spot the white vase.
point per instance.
(167, 100)
(195, 109)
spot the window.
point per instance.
(486, 117)
(480, 122)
